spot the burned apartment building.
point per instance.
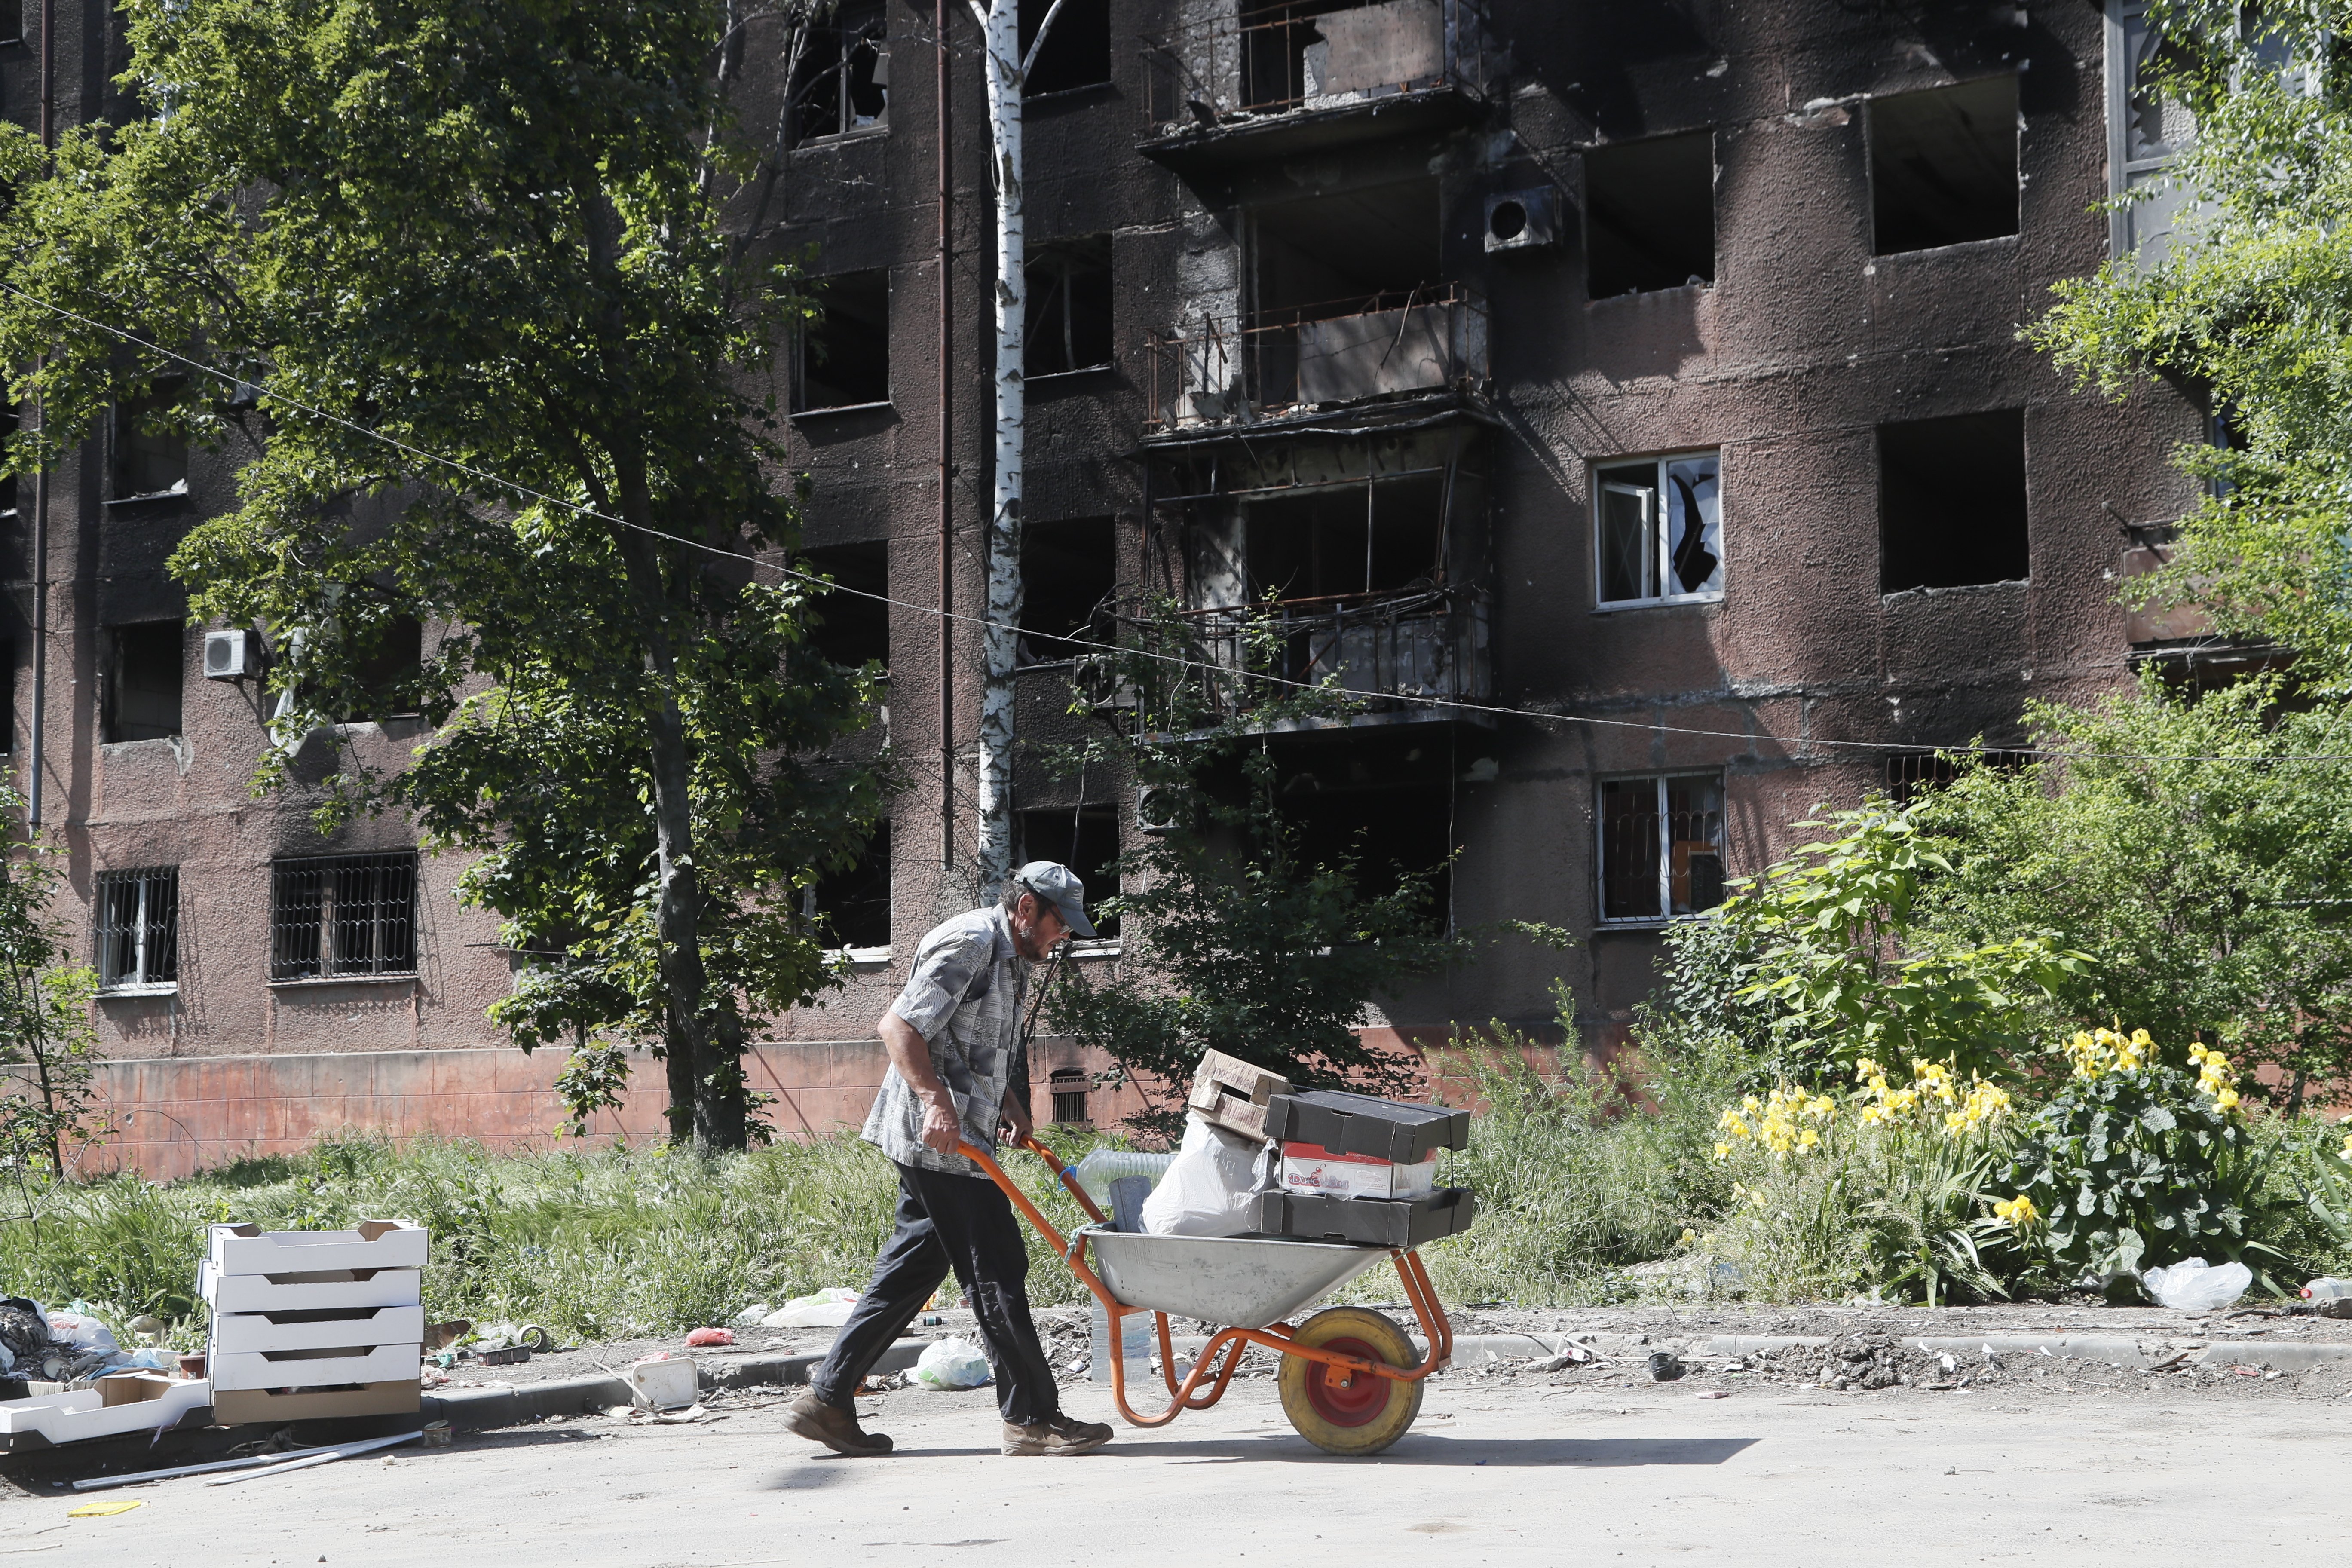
(1626, 400)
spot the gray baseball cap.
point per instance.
(1059, 886)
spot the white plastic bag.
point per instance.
(951, 1363)
(2188, 1286)
(828, 1309)
(752, 1316)
(82, 1332)
(1209, 1188)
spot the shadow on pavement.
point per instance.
(1608, 1453)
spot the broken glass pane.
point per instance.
(1695, 522)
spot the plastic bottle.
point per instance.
(1137, 1341)
(2327, 1288)
(1099, 1170)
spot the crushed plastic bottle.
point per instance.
(2328, 1287)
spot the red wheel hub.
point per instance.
(1357, 1401)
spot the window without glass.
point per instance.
(149, 461)
(854, 629)
(12, 21)
(1068, 568)
(844, 80)
(336, 917)
(1649, 214)
(855, 904)
(1661, 846)
(1087, 841)
(1077, 52)
(142, 681)
(1943, 166)
(1069, 307)
(1951, 501)
(844, 348)
(1660, 530)
(138, 928)
(389, 671)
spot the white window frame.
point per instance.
(153, 882)
(1659, 544)
(1659, 781)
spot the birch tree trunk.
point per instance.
(1002, 39)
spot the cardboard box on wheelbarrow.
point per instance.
(1368, 1222)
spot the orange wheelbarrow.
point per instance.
(1350, 1379)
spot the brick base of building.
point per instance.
(173, 1116)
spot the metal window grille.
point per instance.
(1069, 1087)
(1661, 846)
(338, 915)
(1911, 774)
(138, 928)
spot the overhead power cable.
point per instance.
(1795, 746)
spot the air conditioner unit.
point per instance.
(232, 656)
(1523, 220)
(1156, 810)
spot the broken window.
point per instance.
(1086, 839)
(142, 681)
(1943, 166)
(1069, 307)
(1347, 541)
(389, 669)
(1068, 570)
(855, 904)
(1951, 501)
(844, 346)
(138, 929)
(852, 624)
(1380, 807)
(149, 459)
(1077, 52)
(12, 21)
(1660, 530)
(1661, 846)
(342, 917)
(844, 80)
(1649, 214)
(1338, 256)
(1312, 53)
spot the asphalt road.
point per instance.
(1492, 1473)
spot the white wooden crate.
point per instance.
(80, 1414)
(234, 1331)
(305, 1292)
(372, 1243)
(308, 1369)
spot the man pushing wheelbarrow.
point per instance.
(957, 1078)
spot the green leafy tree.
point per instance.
(487, 282)
(49, 1053)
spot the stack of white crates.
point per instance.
(310, 1324)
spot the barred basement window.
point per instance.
(1661, 846)
(139, 929)
(1069, 1087)
(342, 916)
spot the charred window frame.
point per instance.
(1943, 166)
(855, 904)
(1069, 569)
(843, 85)
(12, 21)
(1658, 531)
(843, 357)
(1076, 55)
(149, 461)
(1953, 502)
(1086, 839)
(851, 625)
(145, 675)
(1069, 312)
(1649, 214)
(1659, 846)
(139, 930)
(343, 917)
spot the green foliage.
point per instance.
(47, 1049)
(1828, 955)
(2209, 895)
(508, 236)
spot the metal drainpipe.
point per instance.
(947, 450)
(41, 479)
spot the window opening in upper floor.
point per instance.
(855, 904)
(145, 667)
(852, 624)
(1069, 571)
(844, 80)
(138, 929)
(149, 459)
(1943, 166)
(1658, 533)
(844, 346)
(1661, 846)
(1077, 52)
(1069, 314)
(1952, 502)
(1648, 211)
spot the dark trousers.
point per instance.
(963, 1223)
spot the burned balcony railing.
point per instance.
(1343, 352)
(1421, 642)
(1243, 75)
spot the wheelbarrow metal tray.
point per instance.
(1239, 1281)
(1370, 1221)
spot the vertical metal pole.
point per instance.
(41, 479)
(947, 447)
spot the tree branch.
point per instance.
(1038, 42)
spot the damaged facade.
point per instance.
(1650, 367)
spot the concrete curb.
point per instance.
(476, 1410)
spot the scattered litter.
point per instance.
(503, 1356)
(436, 1433)
(637, 1417)
(662, 1382)
(951, 1363)
(884, 1382)
(1574, 1355)
(2192, 1285)
(828, 1309)
(701, 1337)
(1666, 1366)
(441, 1336)
(106, 1510)
(1714, 1394)
(749, 1317)
(316, 1457)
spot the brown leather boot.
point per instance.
(837, 1429)
(1056, 1435)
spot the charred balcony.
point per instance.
(1243, 80)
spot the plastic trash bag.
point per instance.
(80, 1331)
(828, 1309)
(752, 1316)
(701, 1337)
(2189, 1285)
(1210, 1184)
(951, 1363)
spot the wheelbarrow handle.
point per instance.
(1067, 1177)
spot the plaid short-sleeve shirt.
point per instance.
(963, 996)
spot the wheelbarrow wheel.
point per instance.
(1344, 1413)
